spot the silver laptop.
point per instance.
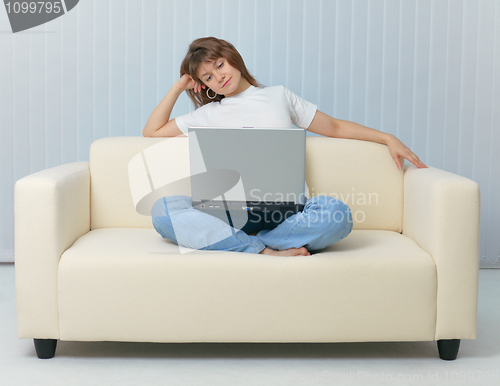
(241, 173)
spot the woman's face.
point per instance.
(220, 76)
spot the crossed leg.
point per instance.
(323, 221)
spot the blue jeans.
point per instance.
(323, 221)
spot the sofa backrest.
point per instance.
(363, 175)
(124, 170)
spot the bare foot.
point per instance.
(302, 251)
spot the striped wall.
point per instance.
(427, 71)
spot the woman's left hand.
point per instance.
(398, 149)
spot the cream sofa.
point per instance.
(89, 267)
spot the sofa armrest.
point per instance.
(51, 209)
(441, 213)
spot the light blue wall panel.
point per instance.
(21, 105)
(149, 57)
(213, 19)
(52, 98)
(293, 43)
(68, 80)
(390, 65)
(182, 39)
(468, 90)
(453, 84)
(6, 148)
(278, 66)
(133, 79)
(359, 50)
(421, 80)
(342, 66)
(36, 101)
(230, 21)
(484, 105)
(437, 80)
(246, 33)
(406, 72)
(165, 47)
(374, 63)
(100, 65)
(85, 79)
(310, 69)
(262, 41)
(327, 56)
(117, 69)
(490, 239)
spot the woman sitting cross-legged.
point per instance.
(216, 79)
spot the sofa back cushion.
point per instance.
(112, 203)
(363, 175)
(129, 173)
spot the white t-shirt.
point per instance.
(270, 107)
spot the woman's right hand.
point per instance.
(186, 82)
(159, 123)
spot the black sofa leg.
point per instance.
(448, 349)
(45, 348)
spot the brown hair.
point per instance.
(207, 50)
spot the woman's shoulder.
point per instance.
(208, 106)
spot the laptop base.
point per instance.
(250, 216)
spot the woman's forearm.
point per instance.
(328, 126)
(325, 125)
(161, 114)
(352, 130)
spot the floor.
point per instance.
(109, 363)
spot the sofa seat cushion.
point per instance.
(129, 284)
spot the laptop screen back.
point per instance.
(252, 165)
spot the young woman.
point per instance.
(216, 79)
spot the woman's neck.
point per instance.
(242, 86)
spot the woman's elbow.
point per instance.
(148, 131)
